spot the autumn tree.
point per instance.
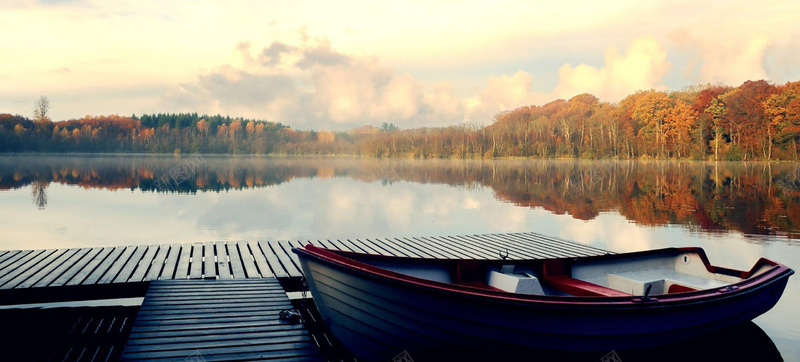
(678, 127)
(783, 108)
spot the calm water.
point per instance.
(738, 212)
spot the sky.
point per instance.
(339, 65)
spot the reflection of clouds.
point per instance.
(470, 204)
(609, 231)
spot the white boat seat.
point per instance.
(636, 282)
(523, 283)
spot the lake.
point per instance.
(737, 212)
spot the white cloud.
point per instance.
(311, 85)
(725, 59)
(643, 66)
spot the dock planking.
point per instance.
(233, 260)
(234, 319)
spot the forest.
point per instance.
(755, 121)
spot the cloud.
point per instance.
(643, 66)
(312, 85)
(726, 59)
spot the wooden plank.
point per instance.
(327, 245)
(63, 271)
(209, 261)
(33, 269)
(171, 263)
(515, 247)
(158, 263)
(281, 350)
(223, 260)
(8, 255)
(388, 249)
(356, 247)
(116, 265)
(426, 249)
(477, 251)
(247, 260)
(236, 260)
(444, 251)
(261, 261)
(295, 259)
(411, 245)
(82, 275)
(341, 246)
(196, 264)
(25, 266)
(285, 259)
(145, 264)
(272, 337)
(266, 331)
(45, 271)
(126, 271)
(400, 248)
(175, 322)
(538, 251)
(182, 270)
(15, 262)
(274, 264)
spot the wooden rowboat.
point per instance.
(380, 307)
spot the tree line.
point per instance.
(754, 121)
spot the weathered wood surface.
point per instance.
(210, 320)
(23, 269)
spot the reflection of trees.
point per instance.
(750, 197)
(39, 194)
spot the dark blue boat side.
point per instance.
(379, 313)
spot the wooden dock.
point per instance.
(211, 320)
(220, 300)
(124, 271)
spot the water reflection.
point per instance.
(754, 198)
(744, 342)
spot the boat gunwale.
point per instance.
(748, 284)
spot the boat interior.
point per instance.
(641, 274)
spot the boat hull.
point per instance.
(378, 318)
